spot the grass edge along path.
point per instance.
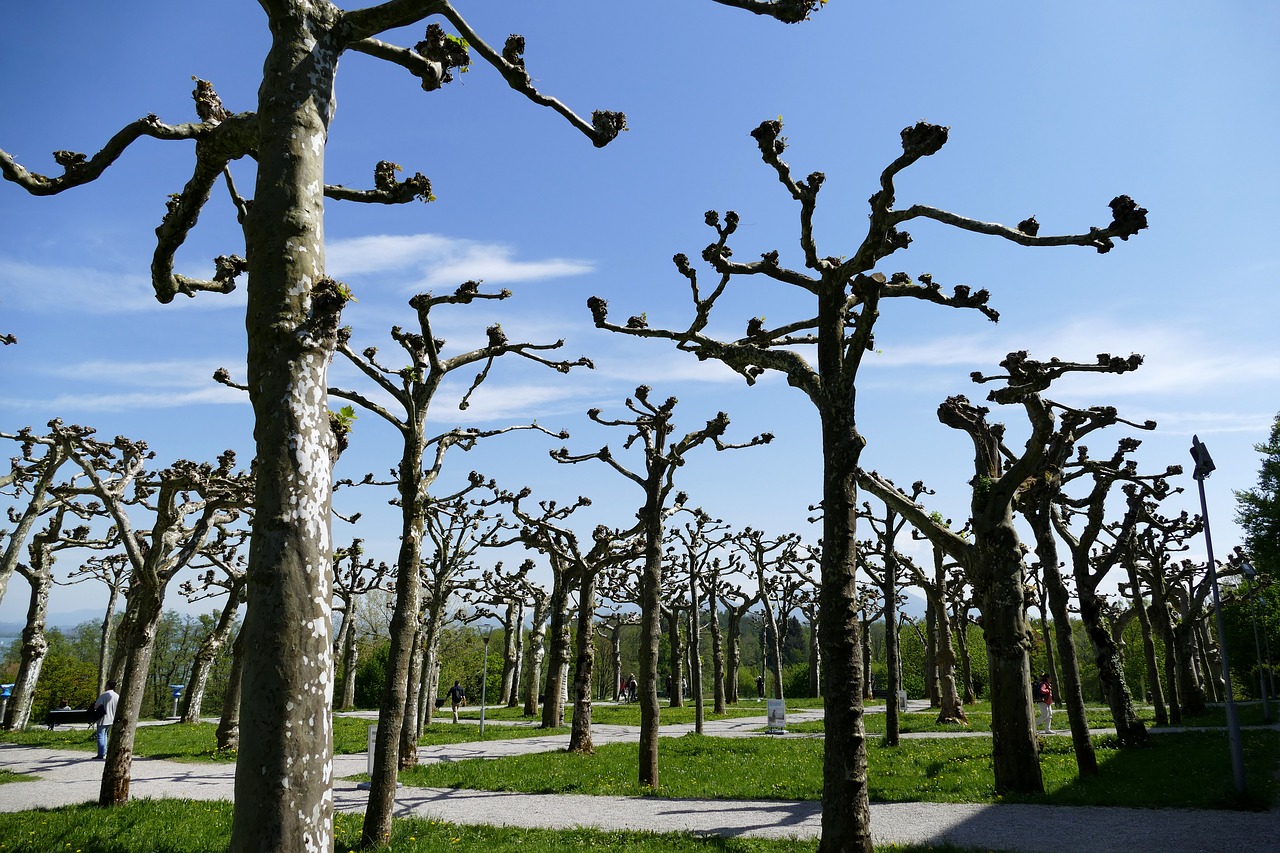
(187, 826)
(922, 770)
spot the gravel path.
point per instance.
(73, 777)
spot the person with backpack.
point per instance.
(104, 713)
(1044, 699)
(456, 697)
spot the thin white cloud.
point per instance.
(1175, 360)
(61, 289)
(433, 260)
(186, 373)
(216, 395)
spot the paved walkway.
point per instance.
(67, 777)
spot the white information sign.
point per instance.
(777, 716)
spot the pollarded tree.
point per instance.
(887, 527)
(652, 428)
(283, 797)
(283, 782)
(1095, 548)
(29, 479)
(763, 559)
(847, 294)
(993, 560)
(224, 576)
(353, 578)
(164, 520)
(693, 546)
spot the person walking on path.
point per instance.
(456, 697)
(1044, 698)
(107, 702)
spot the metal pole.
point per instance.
(1204, 465)
(484, 678)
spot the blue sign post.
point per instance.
(177, 692)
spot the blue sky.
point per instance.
(1054, 109)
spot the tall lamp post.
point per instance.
(1204, 467)
(1250, 572)
(484, 677)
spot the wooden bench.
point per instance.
(69, 718)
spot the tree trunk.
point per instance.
(1068, 687)
(1129, 728)
(105, 637)
(510, 630)
(733, 655)
(998, 579)
(868, 686)
(558, 641)
(580, 737)
(283, 789)
(892, 655)
(1148, 647)
(815, 658)
(350, 660)
(517, 672)
(950, 709)
(1191, 694)
(1163, 617)
(931, 655)
(145, 605)
(229, 725)
(966, 662)
(695, 652)
(35, 648)
(772, 642)
(650, 626)
(533, 656)
(405, 621)
(193, 697)
(675, 676)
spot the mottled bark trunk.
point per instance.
(533, 657)
(815, 659)
(510, 629)
(846, 813)
(1210, 662)
(966, 661)
(559, 649)
(615, 654)
(1129, 728)
(580, 737)
(695, 651)
(145, 606)
(350, 660)
(892, 656)
(405, 622)
(931, 655)
(424, 676)
(202, 664)
(717, 653)
(284, 774)
(1148, 647)
(35, 648)
(733, 655)
(105, 637)
(675, 677)
(772, 641)
(1162, 617)
(119, 649)
(517, 672)
(950, 708)
(999, 582)
(228, 734)
(868, 688)
(1068, 687)
(1191, 695)
(650, 628)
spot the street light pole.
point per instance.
(1204, 467)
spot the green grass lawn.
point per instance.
(609, 714)
(185, 826)
(932, 769)
(10, 776)
(197, 742)
(1099, 717)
